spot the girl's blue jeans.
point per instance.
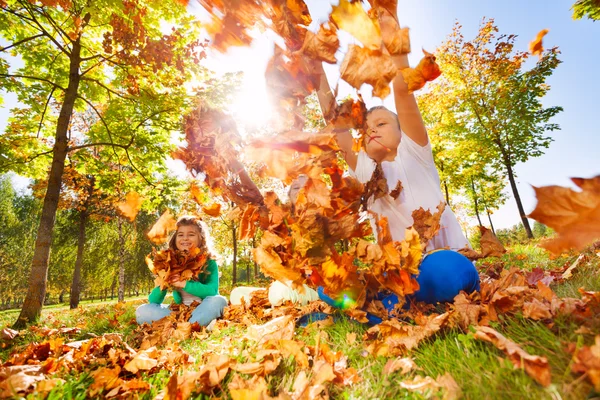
(211, 308)
(443, 274)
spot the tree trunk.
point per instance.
(234, 267)
(253, 260)
(36, 292)
(76, 284)
(447, 194)
(490, 219)
(475, 202)
(513, 185)
(121, 293)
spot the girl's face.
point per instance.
(187, 237)
(383, 135)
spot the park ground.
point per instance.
(479, 369)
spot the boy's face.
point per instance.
(383, 135)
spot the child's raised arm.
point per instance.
(407, 109)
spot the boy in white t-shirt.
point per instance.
(399, 142)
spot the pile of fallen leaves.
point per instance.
(174, 265)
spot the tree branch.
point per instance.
(44, 31)
(44, 112)
(35, 78)
(21, 42)
(4, 166)
(96, 81)
(113, 145)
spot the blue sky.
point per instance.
(575, 87)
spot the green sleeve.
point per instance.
(177, 297)
(157, 296)
(210, 285)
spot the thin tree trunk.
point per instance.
(121, 293)
(36, 292)
(253, 260)
(513, 185)
(475, 202)
(490, 219)
(76, 284)
(234, 267)
(447, 194)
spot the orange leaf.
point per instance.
(213, 210)
(490, 245)
(537, 367)
(587, 361)
(131, 206)
(362, 65)
(160, 230)
(426, 224)
(535, 46)
(427, 70)
(352, 18)
(575, 216)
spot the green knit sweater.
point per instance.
(206, 285)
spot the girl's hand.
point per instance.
(178, 284)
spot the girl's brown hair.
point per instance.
(190, 220)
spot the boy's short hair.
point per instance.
(375, 108)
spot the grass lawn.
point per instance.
(480, 370)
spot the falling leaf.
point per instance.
(352, 18)
(426, 223)
(362, 65)
(427, 70)
(323, 45)
(575, 216)
(535, 46)
(537, 367)
(159, 232)
(489, 243)
(131, 206)
(396, 191)
(213, 210)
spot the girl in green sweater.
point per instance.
(204, 287)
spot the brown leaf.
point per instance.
(575, 216)
(144, 361)
(276, 329)
(536, 310)
(587, 361)
(323, 45)
(427, 70)
(352, 18)
(8, 334)
(362, 65)
(131, 206)
(405, 365)
(489, 243)
(396, 191)
(159, 232)
(537, 367)
(427, 224)
(535, 46)
(18, 378)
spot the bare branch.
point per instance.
(83, 146)
(21, 42)
(44, 112)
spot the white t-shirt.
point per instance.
(414, 167)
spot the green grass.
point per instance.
(481, 371)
